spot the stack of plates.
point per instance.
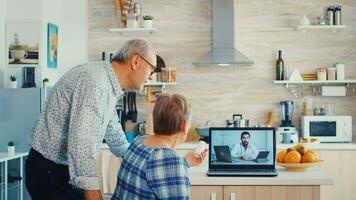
(309, 77)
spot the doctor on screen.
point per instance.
(244, 150)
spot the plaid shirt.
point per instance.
(152, 173)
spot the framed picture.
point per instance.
(22, 40)
(52, 46)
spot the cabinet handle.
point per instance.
(233, 196)
(213, 196)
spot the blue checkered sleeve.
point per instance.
(167, 175)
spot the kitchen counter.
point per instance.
(314, 176)
(316, 146)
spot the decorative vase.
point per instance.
(147, 23)
(13, 84)
(11, 150)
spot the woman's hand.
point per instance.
(194, 161)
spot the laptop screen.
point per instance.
(241, 147)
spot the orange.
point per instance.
(280, 156)
(292, 157)
(313, 152)
(309, 157)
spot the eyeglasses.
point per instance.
(154, 68)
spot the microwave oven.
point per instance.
(327, 128)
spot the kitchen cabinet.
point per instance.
(271, 192)
(255, 192)
(341, 165)
(12, 189)
(338, 163)
(107, 167)
(206, 192)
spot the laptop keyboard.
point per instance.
(248, 170)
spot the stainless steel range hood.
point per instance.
(224, 52)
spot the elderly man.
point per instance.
(78, 115)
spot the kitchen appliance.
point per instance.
(237, 121)
(286, 132)
(240, 121)
(223, 50)
(141, 129)
(328, 128)
(121, 113)
(287, 135)
(29, 77)
(132, 107)
(19, 111)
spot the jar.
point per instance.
(340, 70)
(308, 107)
(330, 15)
(337, 15)
(331, 73)
(137, 9)
(321, 74)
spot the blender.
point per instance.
(286, 132)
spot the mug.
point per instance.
(18, 54)
(130, 136)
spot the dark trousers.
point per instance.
(46, 180)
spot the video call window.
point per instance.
(238, 147)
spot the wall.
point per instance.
(71, 19)
(74, 43)
(14, 12)
(263, 27)
(51, 13)
(2, 40)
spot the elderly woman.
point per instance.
(151, 168)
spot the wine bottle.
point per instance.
(280, 70)
(103, 56)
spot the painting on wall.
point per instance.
(52, 46)
(22, 42)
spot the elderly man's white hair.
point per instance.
(132, 47)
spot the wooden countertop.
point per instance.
(314, 176)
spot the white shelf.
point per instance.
(297, 87)
(134, 30)
(320, 27)
(316, 82)
(160, 83)
(4, 156)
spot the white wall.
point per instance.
(2, 40)
(51, 13)
(74, 38)
(20, 10)
(72, 20)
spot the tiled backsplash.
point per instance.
(263, 27)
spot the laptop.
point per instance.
(223, 154)
(228, 144)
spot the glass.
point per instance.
(154, 68)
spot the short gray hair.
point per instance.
(132, 47)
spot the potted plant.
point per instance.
(147, 21)
(13, 81)
(45, 81)
(11, 147)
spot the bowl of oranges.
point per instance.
(297, 158)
